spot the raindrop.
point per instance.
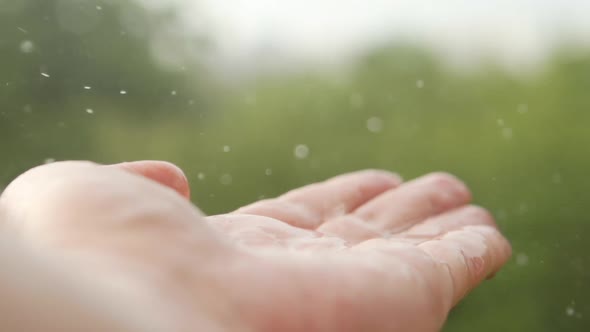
(500, 122)
(123, 92)
(507, 133)
(570, 311)
(226, 179)
(301, 151)
(374, 124)
(419, 84)
(98, 7)
(89, 111)
(27, 46)
(226, 148)
(201, 176)
(522, 259)
(49, 160)
(45, 75)
(173, 92)
(27, 109)
(268, 171)
(87, 87)
(522, 108)
(556, 178)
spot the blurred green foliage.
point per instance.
(520, 143)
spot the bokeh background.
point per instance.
(253, 98)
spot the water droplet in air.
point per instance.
(522, 108)
(500, 122)
(522, 259)
(226, 179)
(49, 161)
(123, 92)
(301, 151)
(226, 148)
(570, 311)
(89, 111)
(87, 87)
(45, 75)
(27, 46)
(173, 92)
(419, 84)
(201, 176)
(374, 124)
(507, 133)
(98, 7)
(268, 171)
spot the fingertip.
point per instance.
(165, 173)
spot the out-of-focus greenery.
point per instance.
(520, 143)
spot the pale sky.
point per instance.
(261, 33)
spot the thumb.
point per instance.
(164, 173)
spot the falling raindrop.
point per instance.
(419, 84)
(45, 75)
(123, 92)
(49, 160)
(226, 148)
(201, 176)
(522, 259)
(226, 179)
(268, 171)
(301, 151)
(27, 46)
(374, 124)
(89, 111)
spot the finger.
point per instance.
(413, 202)
(162, 172)
(309, 206)
(470, 255)
(447, 222)
(351, 229)
(83, 204)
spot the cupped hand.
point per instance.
(359, 252)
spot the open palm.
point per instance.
(360, 252)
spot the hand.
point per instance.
(359, 252)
